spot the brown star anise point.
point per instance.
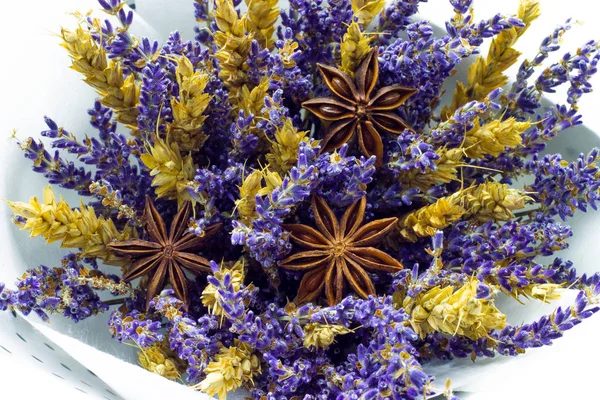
(338, 252)
(352, 110)
(165, 254)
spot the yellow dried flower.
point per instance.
(272, 180)
(100, 232)
(260, 21)
(448, 392)
(188, 111)
(486, 74)
(232, 367)
(367, 10)
(252, 101)
(454, 312)
(284, 150)
(227, 19)
(287, 51)
(117, 92)
(170, 170)
(246, 204)
(211, 297)
(543, 291)
(485, 202)
(57, 221)
(160, 360)
(234, 44)
(529, 11)
(321, 336)
(494, 137)
(493, 201)
(253, 186)
(426, 221)
(446, 170)
(354, 48)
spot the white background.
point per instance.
(35, 81)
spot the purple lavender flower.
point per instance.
(343, 179)
(317, 25)
(192, 341)
(411, 152)
(55, 168)
(62, 291)
(266, 239)
(563, 187)
(134, 326)
(154, 105)
(396, 17)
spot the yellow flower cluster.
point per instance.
(258, 183)
(252, 101)
(262, 15)
(82, 229)
(246, 204)
(117, 92)
(494, 137)
(211, 297)
(367, 10)
(493, 201)
(322, 336)
(354, 48)
(272, 181)
(232, 367)
(170, 170)
(233, 43)
(284, 150)
(426, 221)
(159, 359)
(454, 312)
(543, 291)
(487, 74)
(446, 170)
(490, 201)
(186, 129)
(235, 36)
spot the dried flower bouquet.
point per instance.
(307, 220)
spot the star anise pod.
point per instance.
(339, 252)
(353, 109)
(165, 254)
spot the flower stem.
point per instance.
(526, 213)
(113, 302)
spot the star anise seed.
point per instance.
(353, 110)
(165, 254)
(339, 252)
